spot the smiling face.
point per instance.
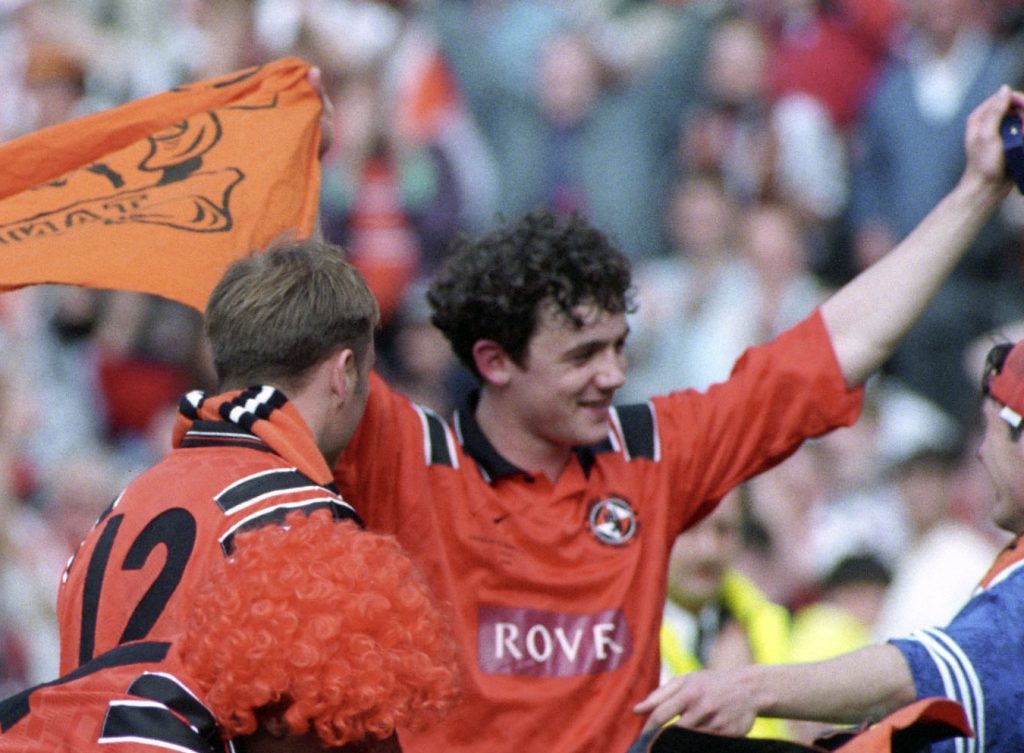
(561, 393)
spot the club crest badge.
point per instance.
(613, 521)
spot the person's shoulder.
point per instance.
(79, 711)
(207, 466)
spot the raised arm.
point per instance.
(867, 317)
(849, 689)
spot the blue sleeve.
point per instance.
(977, 660)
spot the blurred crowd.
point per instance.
(748, 155)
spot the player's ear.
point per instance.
(344, 373)
(493, 363)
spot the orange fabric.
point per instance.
(927, 720)
(284, 430)
(69, 715)
(557, 615)
(133, 574)
(161, 194)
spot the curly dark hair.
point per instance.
(492, 287)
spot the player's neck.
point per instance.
(509, 434)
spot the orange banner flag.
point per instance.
(161, 194)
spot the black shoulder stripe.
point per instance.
(204, 433)
(639, 432)
(438, 446)
(276, 515)
(15, 708)
(168, 691)
(148, 722)
(190, 442)
(261, 484)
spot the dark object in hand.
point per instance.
(1013, 148)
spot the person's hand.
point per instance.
(983, 143)
(315, 79)
(709, 700)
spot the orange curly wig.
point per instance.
(330, 621)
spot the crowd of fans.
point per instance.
(748, 155)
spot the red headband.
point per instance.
(1008, 386)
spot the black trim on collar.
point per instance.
(491, 462)
(204, 433)
(477, 445)
(587, 455)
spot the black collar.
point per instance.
(493, 464)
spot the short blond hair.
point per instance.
(274, 315)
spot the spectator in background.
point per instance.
(855, 511)
(414, 358)
(701, 294)
(824, 57)
(838, 621)
(45, 509)
(786, 502)
(568, 127)
(736, 278)
(767, 146)
(774, 241)
(151, 351)
(1008, 19)
(829, 50)
(946, 552)
(945, 64)
(39, 537)
(409, 167)
(823, 62)
(841, 618)
(16, 666)
(728, 131)
(62, 403)
(55, 84)
(715, 616)
(837, 498)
